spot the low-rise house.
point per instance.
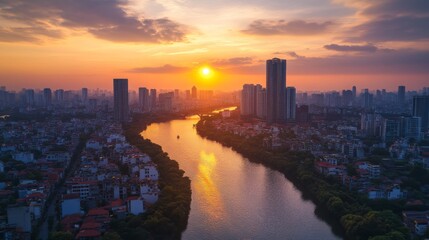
(70, 205)
(135, 205)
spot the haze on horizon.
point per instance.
(329, 44)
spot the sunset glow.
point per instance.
(158, 44)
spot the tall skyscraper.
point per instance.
(290, 104)
(261, 103)
(367, 99)
(84, 95)
(153, 98)
(421, 109)
(144, 99)
(165, 101)
(401, 95)
(29, 98)
(47, 97)
(194, 92)
(248, 100)
(59, 96)
(276, 88)
(120, 99)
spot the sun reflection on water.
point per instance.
(206, 186)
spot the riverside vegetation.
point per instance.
(343, 209)
(168, 217)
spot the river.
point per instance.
(233, 198)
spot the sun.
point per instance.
(205, 71)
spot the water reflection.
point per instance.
(233, 198)
(207, 188)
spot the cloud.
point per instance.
(351, 48)
(391, 20)
(160, 70)
(402, 61)
(291, 54)
(406, 28)
(233, 61)
(105, 19)
(27, 34)
(281, 27)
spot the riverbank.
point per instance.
(345, 211)
(168, 218)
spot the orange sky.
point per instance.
(329, 45)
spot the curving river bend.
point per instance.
(233, 198)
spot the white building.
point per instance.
(135, 205)
(149, 192)
(149, 172)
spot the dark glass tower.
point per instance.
(276, 90)
(120, 99)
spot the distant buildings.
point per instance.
(166, 101)
(47, 97)
(261, 103)
(194, 92)
(120, 99)
(421, 109)
(153, 98)
(276, 103)
(248, 100)
(290, 104)
(84, 95)
(144, 99)
(276, 90)
(401, 95)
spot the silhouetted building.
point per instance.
(302, 114)
(166, 101)
(144, 99)
(347, 98)
(59, 96)
(290, 104)
(413, 128)
(367, 99)
(276, 88)
(29, 97)
(391, 130)
(401, 95)
(248, 100)
(120, 99)
(261, 103)
(194, 92)
(421, 109)
(153, 99)
(84, 95)
(47, 97)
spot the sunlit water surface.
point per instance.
(233, 198)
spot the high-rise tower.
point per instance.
(276, 89)
(120, 99)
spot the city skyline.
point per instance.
(220, 45)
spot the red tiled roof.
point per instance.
(71, 196)
(90, 225)
(116, 203)
(75, 218)
(97, 212)
(88, 233)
